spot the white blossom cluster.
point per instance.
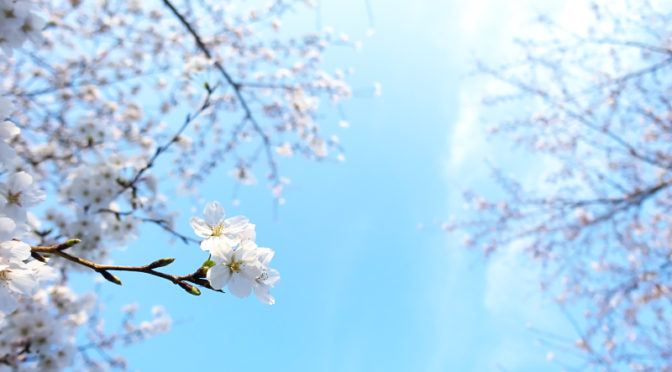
(42, 333)
(93, 186)
(39, 325)
(46, 324)
(18, 192)
(90, 129)
(18, 23)
(115, 112)
(237, 262)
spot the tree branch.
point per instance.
(236, 87)
(197, 277)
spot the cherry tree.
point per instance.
(592, 112)
(110, 108)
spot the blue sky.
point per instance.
(362, 288)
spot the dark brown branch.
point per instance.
(236, 87)
(197, 277)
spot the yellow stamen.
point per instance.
(235, 266)
(14, 198)
(217, 230)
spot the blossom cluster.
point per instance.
(235, 259)
(18, 23)
(594, 214)
(42, 333)
(18, 193)
(46, 324)
(84, 123)
(40, 323)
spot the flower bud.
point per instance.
(110, 277)
(189, 288)
(161, 262)
(68, 244)
(38, 256)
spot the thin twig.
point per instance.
(236, 87)
(197, 277)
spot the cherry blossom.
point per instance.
(218, 230)
(590, 104)
(99, 133)
(18, 194)
(237, 269)
(268, 277)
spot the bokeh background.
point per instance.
(370, 282)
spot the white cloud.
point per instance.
(467, 140)
(510, 294)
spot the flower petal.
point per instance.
(240, 287)
(7, 227)
(200, 227)
(8, 129)
(213, 213)
(218, 276)
(218, 246)
(19, 181)
(236, 224)
(17, 251)
(263, 293)
(265, 255)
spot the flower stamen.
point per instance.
(13, 198)
(235, 266)
(4, 274)
(217, 230)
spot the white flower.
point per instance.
(214, 227)
(268, 277)
(14, 252)
(7, 228)
(41, 273)
(7, 131)
(94, 185)
(285, 149)
(197, 65)
(238, 269)
(122, 230)
(319, 147)
(89, 127)
(18, 194)
(15, 280)
(60, 359)
(18, 23)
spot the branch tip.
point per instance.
(110, 277)
(161, 262)
(189, 288)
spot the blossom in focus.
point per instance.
(215, 228)
(237, 269)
